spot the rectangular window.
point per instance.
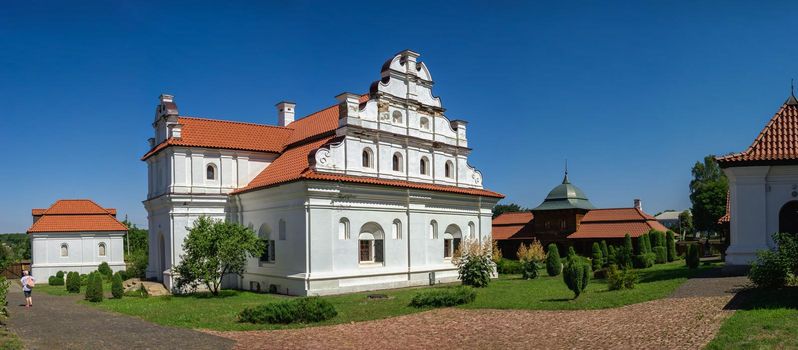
(268, 253)
(365, 251)
(455, 245)
(447, 248)
(378, 251)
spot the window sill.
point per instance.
(371, 264)
(266, 263)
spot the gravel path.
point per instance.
(59, 322)
(688, 319)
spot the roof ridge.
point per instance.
(235, 122)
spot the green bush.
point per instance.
(105, 270)
(671, 245)
(642, 261)
(137, 264)
(94, 289)
(510, 267)
(299, 310)
(768, 271)
(56, 280)
(73, 282)
(660, 254)
(60, 274)
(444, 297)
(621, 279)
(642, 244)
(84, 279)
(530, 269)
(116, 286)
(605, 252)
(612, 255)
(598, 257)
(576, 275)
(553, 263)
(692, 259)
(89, 286)
(787, 244)
(474, 266)
(625, 253)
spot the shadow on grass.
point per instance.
(764, 298)
(557, 300)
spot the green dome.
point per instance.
(565, 196)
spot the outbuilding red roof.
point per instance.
(776, 143)
(513, 226)
(75, 215)
(616, 223)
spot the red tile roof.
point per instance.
(75, 215)
(726, 218)
(513, 226)
(778, 141)
(616, 223)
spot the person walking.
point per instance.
(27, 286)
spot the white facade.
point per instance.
(758, 195)
(331, 237)
(75, 251)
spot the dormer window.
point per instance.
(424, 166)
(397, 161)
(424, 123)
(449, 169)
(368, 158)
(210, 172)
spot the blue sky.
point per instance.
(631, 93)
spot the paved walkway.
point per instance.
(58, 322)
(689, 319)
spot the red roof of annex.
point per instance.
(75, 215)
(295, 143)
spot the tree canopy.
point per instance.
(500, 209)
(213, 249)
(708, 194)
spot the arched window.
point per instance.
(449, 169)
(424, 166)
(397, 161)
(64, 249)
(265, 235)
(371, 244)
(101, 249)
(433, 229)
(210, 172)
(343, 228)
(424, 123)
(396, 229)
(451, 240)
(472, 230)
(788, 218)
(282, 230)
(368, 158)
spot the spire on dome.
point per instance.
(565, 179)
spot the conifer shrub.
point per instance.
(605, 252)
(84, 279)
(89, 286)
(671, 245)
(692, 258)
(598, 257)
(571, 252)
(621, 279)
(553, 263)
(611, 256)
(625, 253)
(105, 270)
(122, 274)
(444, 297)
(576, 275)
(116, 286)
(73, 282)
(60, 274)
(660, 255)
(97, 295)
(299, 310)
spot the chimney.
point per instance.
(285, 112)
(166, 106)
(638, 205)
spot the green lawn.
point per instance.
(61, 290)
(765, 319)
(9, 340)
(508, 292)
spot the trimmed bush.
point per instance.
(84, 279)
(612, 256)
(671, 245)
(89, 286)
(299, 310)
(692, 258)
(116, 286)
(768, 271)
(94, 289)
(73, 282)
(105, 270)
(56, 280)
(605, 252)
(122, 275)
(576, 275)
(660, 255)
(642, 261)
(598, 257)
(624, 255)
(510, 267)
(553, 263)
(571, 253)
(444, 297)
(60, 274)
(621, 279)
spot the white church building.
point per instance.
(372, 192)
(763, 187)
(75, 235)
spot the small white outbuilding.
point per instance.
(75, 235)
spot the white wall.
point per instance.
(83, 252)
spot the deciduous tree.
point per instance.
(708, 194)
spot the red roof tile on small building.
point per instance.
(514, 218)
(75, 215)
(513, 226)
(776, 143)
(616, 223)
